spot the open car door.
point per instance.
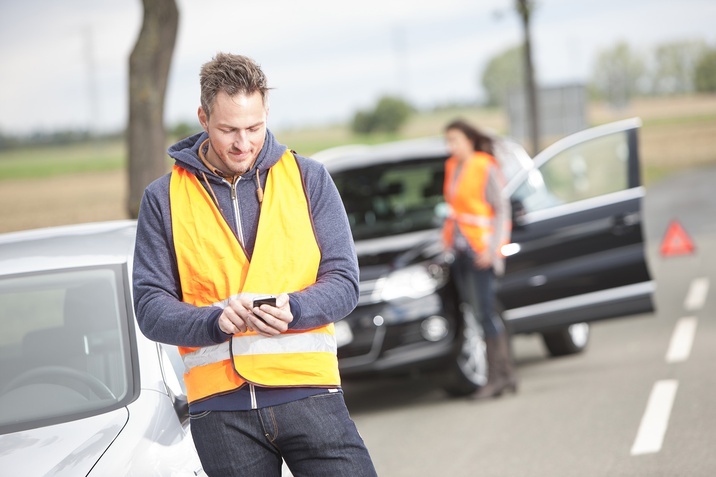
(577, 248)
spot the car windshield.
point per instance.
(394, 198)
(63, 348)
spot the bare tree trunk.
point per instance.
(525, 8)
(148, 75)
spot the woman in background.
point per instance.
(478, 224)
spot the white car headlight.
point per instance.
(414, 281)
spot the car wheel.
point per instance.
(468, 370)
(570, 340)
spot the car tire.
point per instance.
(468, 368)
(569, 340)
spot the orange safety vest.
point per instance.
(465, 197)
(213, 268)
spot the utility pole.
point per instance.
(525, 9)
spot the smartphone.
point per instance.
(264, 300)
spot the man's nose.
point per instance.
(241, 140)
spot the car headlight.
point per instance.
(414, 281)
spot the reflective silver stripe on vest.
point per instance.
(206, 355)
(258, 345)
(470, 219)
(476, 220)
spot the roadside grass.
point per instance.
(49, 161)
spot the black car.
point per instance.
(576, 253)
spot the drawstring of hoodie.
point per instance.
(213, 195)
(259, 190)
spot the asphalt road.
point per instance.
(641, 401)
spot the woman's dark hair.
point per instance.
(480, 141)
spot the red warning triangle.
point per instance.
(676, 241)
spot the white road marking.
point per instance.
(655, 420)
(681, 340)
(696, 296)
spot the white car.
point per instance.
(82, 391)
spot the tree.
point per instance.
(618, 73)
(391, 113)
(675, 65)
(705, 72)
(388, 116)
(503, 73)
(149, 65)
(362, 122)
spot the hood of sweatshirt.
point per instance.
(186, 153)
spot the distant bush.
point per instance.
(388, 116)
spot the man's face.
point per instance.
(237, 130)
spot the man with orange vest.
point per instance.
(240, 217)
(477, 226)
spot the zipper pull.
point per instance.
(233, 189)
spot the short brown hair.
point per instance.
(232, 74)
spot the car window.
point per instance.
(589, 169)
(63, 347)
(390, 199)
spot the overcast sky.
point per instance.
(325, 59)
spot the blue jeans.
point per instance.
(476, 287)
(315, 436)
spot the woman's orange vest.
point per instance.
(465, 197)
(213, 268)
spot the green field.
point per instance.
(47, 161)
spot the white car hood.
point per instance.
(69, 449)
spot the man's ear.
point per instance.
(203, 119)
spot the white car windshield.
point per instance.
(63, 348)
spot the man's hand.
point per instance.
(239, 316)
(270, 320)
(232, 319)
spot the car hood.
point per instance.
(68, 449)
(380, 255)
